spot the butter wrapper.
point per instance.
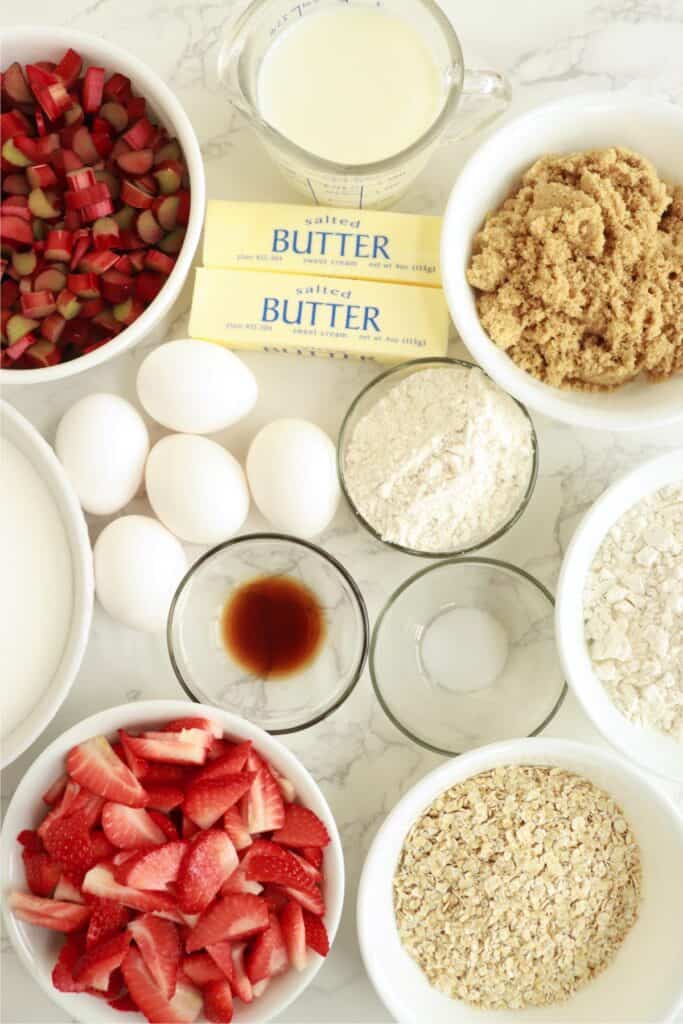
(389, 323)
(369, 245)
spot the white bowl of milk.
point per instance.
(351, 98)
(46, 594)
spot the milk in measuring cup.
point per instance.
(350, 84)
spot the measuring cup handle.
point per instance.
(485, 95)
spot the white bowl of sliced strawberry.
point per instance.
(102, 202)
(172, 862)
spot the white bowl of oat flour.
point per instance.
(535, 880)
(619, 614)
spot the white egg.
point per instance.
(197, 488)
(292, 473)
(138, 566)
(195, 387)
(102, 442)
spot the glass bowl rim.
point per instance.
(297, 542)
(391, 601)
(517, 514)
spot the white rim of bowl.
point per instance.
(83, 578)
(627, 491)
(517, 382)
(423, 792)
(127, 63)
(160, 709)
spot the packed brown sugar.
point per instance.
(579, 273)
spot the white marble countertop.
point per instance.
(364, 765)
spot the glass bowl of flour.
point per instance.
(464, 655)
(435, 459)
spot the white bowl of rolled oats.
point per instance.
(619, 614)
(530, 880)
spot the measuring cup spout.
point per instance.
(234, 39)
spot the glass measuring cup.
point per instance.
(472, 99)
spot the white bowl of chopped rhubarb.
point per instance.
(103, 196)
(170, 861)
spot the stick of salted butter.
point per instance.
(367, 244)
(390, 323)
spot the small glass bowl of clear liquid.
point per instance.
(351, 97)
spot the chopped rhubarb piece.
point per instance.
(134, 195)
(24, 263)
(80, 179)
(41, 205)
(15, 230)
(57, 915)
(41, 176)
(136, 107)
(19, 327)
(136, 162)
(94, 765)
(140, 135)
(15, 185)
(105, 233)
(115, 114)
(93, 87)
(169, 176)
(69, 67)
(15, 86)
(84, 146)
(52, 327)
(68, 305)
(98, 263)
(18, 348)
(38, 304)
(117, 88)
(148, 229)
(130, 828)
(116, 287)
(42, 353)
(58, 245)
(85, 286)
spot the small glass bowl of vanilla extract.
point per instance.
(270, 627)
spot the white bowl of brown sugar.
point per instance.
(562, 260)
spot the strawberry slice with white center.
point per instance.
(237, 829)
(130, 828)
(94, 765)
(55, 791)
(137, 765)
(314, 855)
(284, 871)
(189, 746)
(95, 966)
(231, 917)
(159, 944)
(209, 860)
(238, 882)
(286, 787)
(149, 998)
(294, 933)
(66, 890)
(201, 969)
(301, 827)
(268, 953)
(58, 915)
(265, 808)
(312, 901)
(107, 919)
(241, 985)
(100, 882)
(153, 869)
(178, 724)
(218, 1002)
(221, 954)
(234, 760)
(205, 802)
(316, 934)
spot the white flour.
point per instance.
(633, 608)
(441, 461)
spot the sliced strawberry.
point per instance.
(159, 774)
(189, 746)
(159, 944)
(63, 971)
(210, 859)
(228, 763)
(30, 840)
(201, 969)
(106, 920)
(137, 765)
(284, 871)
(149, 998)
(286, 787)
(311, 901)
(316, 934)
(54, 792)
(241, 985)
(188, 827)
(124, 1004)
(153, 869)
(178, 724)
(294, 933)
(218, 1002)
(102, 848)
(100, 881)
(264, 848)
(205, 802)
(95, 766)
(130, 828)
(314, 873)
(57, 915)
(301, 828)
(164, 823)
(264, 803)
(237, 829)
(67, 890)
(68, 841)
(275, 897)
(230, 917)
(164, 797)
(97, 963)
(314, 855)
(238, 882)
(187, 1001)
(60, 810)
(268, 953)
(260, 987)
(42, 873)
(221, 954)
